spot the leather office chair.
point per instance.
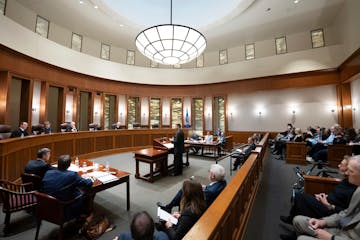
(94, 127)
(136, 125)
(56, 215)
(36, 129)
(5, 131)
(15, 197)
(64, 126)
(32, 178)
(154, 125)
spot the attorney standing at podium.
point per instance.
(178, 150)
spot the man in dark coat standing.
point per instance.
(178, 150)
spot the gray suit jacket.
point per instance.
(352, 229)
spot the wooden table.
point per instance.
(215, 146)
(123, 177)
(165, 144)
(152, 156)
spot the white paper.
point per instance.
(169, 145)
(163, 215)
(239, 150)
(103, 177)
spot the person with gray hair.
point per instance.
(211, 191)
(342, 225)
(40, 165)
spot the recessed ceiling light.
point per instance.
(296, 1)
(96, 7)
(81, 2)
(121, 25)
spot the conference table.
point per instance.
(214, 147)
(103, 179)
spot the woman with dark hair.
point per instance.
(192, 206)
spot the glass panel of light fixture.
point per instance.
(42, 26)
(280, 44)
(176, 111)
(197, 115)
(155, 111)
(219, 113)
(76, 42)
(177, 65)
(105, 51)
(130, 58)
(2, 7)
(317, 38)
(249, 51)
(223, 58)
(133, 111)
(154, 64)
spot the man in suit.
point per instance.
(211, 191)
(243, 154)
(21, 131)
(41, 165)
(47, 128)
(342, 225)
(71, 127)
(178, 150)
(66, 185)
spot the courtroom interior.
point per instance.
(179, 119)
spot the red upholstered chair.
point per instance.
(15, 197)
(57, 213)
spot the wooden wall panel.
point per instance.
(84, 145)
(141, 140)
(123, 141)
(63, 147)
(103, 143)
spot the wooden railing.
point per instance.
(227, 216)
(316, 184)
(296, 153)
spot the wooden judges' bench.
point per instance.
(16, 152)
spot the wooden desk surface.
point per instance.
(151, 152)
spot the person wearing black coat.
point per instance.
(322, 205)
(21, 131)
(192, 206)
(178, 150)
(39, 166)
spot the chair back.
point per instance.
(36, 129)
(16, 197)
(50, 208)
(32, 178)
(5, 131)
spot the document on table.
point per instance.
(169, 145)
(103, 177)
(163, 215)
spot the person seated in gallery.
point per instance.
(192, 206)
(66, 185)
(117, 126)
(322, 154)
(195, 137)
(282, 138)
(47, 128)
(142, 227)
(40, 165)
(208, 138)
(342, 225)
(21, 131)
(322, 144)
(242, 154)
(211, 191)
(71, 127)
(322, 205)
(218, 132)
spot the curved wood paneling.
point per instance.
(16, 152)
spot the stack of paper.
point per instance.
(103, 177)
(163, 215)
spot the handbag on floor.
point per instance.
(96, 228)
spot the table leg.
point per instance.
(151, 177)
(128, 194)
(137, 175)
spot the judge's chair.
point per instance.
(15, 197)
(36, 129)
(5, 131)
(57, 215)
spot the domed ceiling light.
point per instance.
(170, 44)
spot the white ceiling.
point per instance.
(236, 21)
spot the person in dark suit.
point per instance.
(322, 205)
(211, 191)
(142, 228)
(21, 131)
(47, 128)
(66, 185)
(178, 150)
(117, 126)
(242, 155)
(41, 165)
(342, 225)
(192, 206)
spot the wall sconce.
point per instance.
(332, 110)
(293, 112)
(354, 109)
(260, 113)
(34, 109)
(67, 111)
(96, 113)
(231, 115)
(208, 115)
